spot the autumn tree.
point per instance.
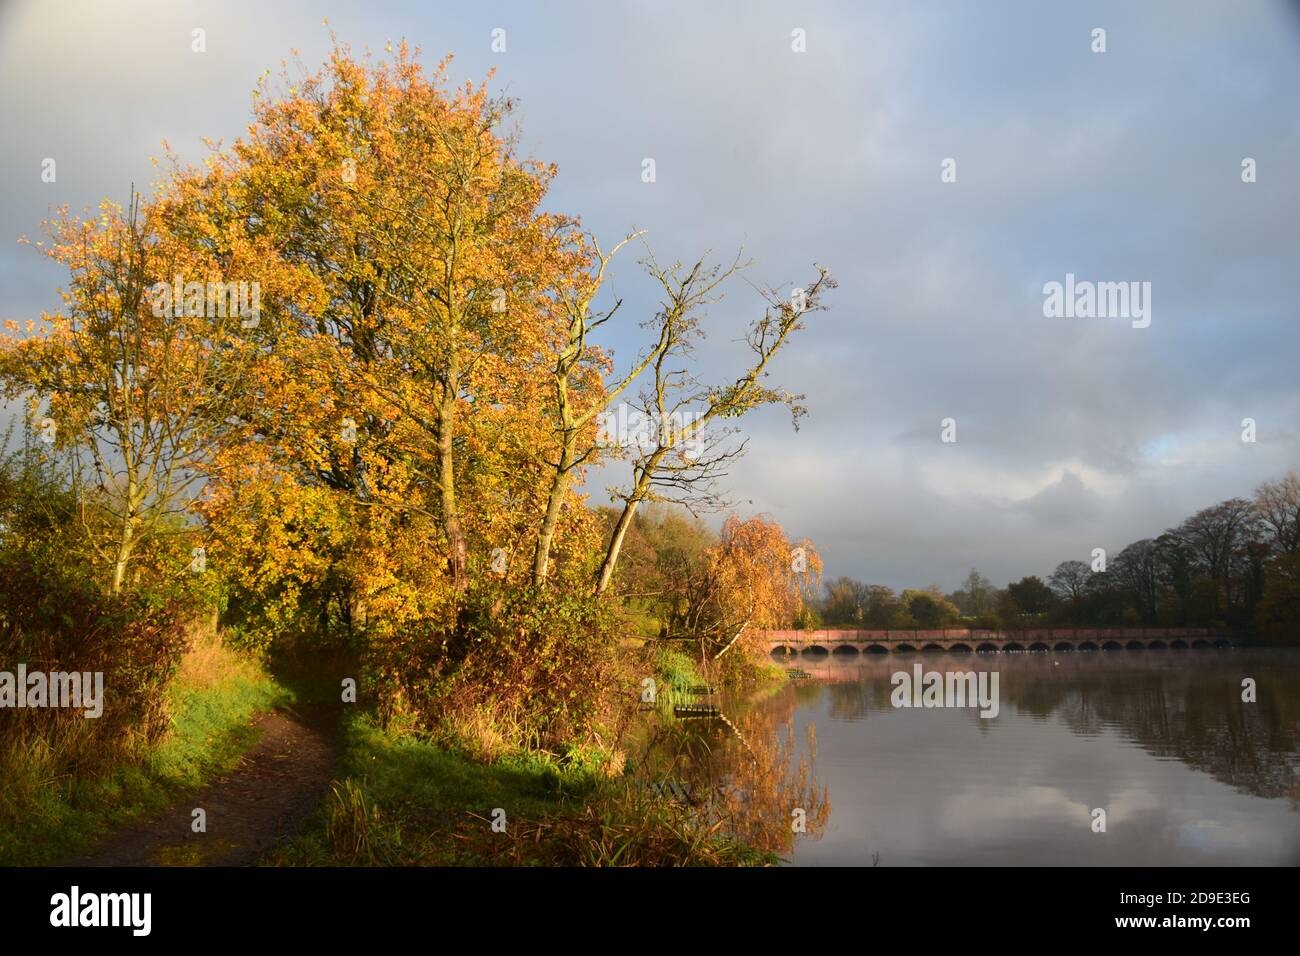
(688, 447)
(412, 374)
(760, 579)
(133, 378)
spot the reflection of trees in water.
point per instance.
(1174, 704)
(744, 775)
(1189, 710)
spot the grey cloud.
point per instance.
(1125, 165)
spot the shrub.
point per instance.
(525, 666)
(53, 618)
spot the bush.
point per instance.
(525, 666)
(53, 618)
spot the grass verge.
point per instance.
(406, 801)
(47, 817)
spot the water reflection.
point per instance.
(743, 772)
(1187, 773)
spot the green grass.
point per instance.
(677, 670)
(404, 800)
(46, 819)
(426, 792)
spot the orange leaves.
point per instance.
(417, 280)
(763, 578)
(132, 384)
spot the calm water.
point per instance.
(1187, 773)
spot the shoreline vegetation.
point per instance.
(337, 392)
(396, 799)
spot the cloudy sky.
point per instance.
(1072, 433)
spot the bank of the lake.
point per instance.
(409, 800)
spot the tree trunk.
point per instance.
(615, 545)
(447, 480)
(640, 488)
(554, 505)
(125, 546)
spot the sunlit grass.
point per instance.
(402, 800)
(46, 817)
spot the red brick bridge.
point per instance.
(964, 639)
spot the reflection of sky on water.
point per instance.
(942, 786)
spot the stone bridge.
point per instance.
(967, 639)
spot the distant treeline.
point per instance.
(1234, 565)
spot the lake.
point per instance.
(1186, 772)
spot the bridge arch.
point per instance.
(848, 643)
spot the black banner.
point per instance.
(334, 906)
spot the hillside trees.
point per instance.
(845, 604)
(977, 597)
(1278, 505)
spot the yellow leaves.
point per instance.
(763, 576)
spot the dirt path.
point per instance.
(263, 802)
